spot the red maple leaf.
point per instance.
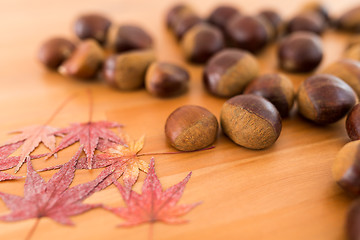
(5, 176)
(6, 150)
(88, 134)
(124, 159)
(7, 162)
(153, 204)
(31, 137)
(52, 199)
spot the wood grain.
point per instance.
(284, 192)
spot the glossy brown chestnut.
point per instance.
(347, 70)
(126, 71)
(85, 61)
(228, 72)
(166, 79)
(250, 121)
(274, 20)
(191, 128)
(276, 88)
(346, 168)
(325, 99)
(248, 33)
(201, 42)
(128, 37)
(307, 21)
(353, 221)
(221, 15)
(55, 51)
(353, 123)
(181, 18)
(94, 26)
(300, 52)
(353, 52)
(350, 20)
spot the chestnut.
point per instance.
(128, 37)
(300, 52)
(346, 168)
(85, 61)
(126, 71)
(201, 42)
(347, 70)
(248, 33)
(274, 20)
(180, 19)
(221, 15)
(166, 80)
(191, 128)
(250, 121)
(93, 25)
(353, 52)
(228, 72)
(324, 98)
(307, 21)
(276, 88)
(55, 51)
(353, 123)
(350, 21)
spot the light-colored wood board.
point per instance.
(284, 192)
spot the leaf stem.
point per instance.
(166, 153)
(91, 103)
(63, 104)
(32, 230)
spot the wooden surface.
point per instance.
(284, 192)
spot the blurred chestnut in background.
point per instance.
(300, 52)
(228, 72)
(307, 21)
(274, 19)
(94, 26)
(201, 42)
(221, 15)
(55, 51)
(181, 18)
(128, 37)
(248, 33)
(166, 80)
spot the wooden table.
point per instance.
(284, 192)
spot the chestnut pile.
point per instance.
(227, 41)
(122, 55)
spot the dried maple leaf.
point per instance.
(6, 176)
(88, 134)
(125, 159)
(128, 157)
(153, 204)
(7, 162)
(6, 150)
(31, 137)
(52, 199)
